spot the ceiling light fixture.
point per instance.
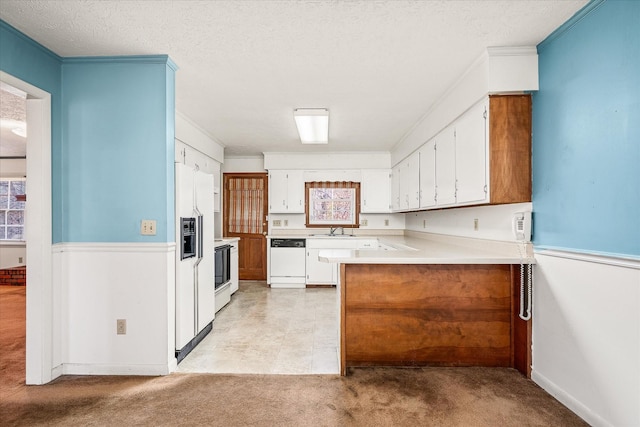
(20, 131)
(313, 125)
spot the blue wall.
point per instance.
(586, 133)
(118, 148)
(29, 61)
(112, 139)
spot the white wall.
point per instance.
(498, 70)
(194, 136)
(375, 223)
(100, 283)
(586, 335)
(10, 253)
(326, 161)
(243, 164)
(494, 222)
(13, 168)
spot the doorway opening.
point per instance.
(40, 322)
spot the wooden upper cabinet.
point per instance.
(510, 148)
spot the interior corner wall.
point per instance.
(586, 133)
(118, 156)
(586, 205)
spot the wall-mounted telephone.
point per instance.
(522, 226)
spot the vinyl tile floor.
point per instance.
(271, 331)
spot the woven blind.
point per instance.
(246, 205)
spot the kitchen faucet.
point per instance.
(332, 231)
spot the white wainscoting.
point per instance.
(98, 283)
(586, 335)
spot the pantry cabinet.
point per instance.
(286, 191)
(395, 188)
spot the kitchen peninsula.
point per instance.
(450, 301)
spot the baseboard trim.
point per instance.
(109, 369)
(569, 401)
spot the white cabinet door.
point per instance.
(376, 186)
(286, 191)
(428, 175)
(319, 272)
(295, 191)
(278, 190)
(413, 181)
(471, 156)
(446, 167)
(395, 188)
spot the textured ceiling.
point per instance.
(245, 65)
(13, 115)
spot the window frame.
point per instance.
(6, 225)
(331, 184)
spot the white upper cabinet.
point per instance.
(286, 191)
(395, 188)
(446, 167)
(472, 156)
(484, 157)
(375, 191)
(428, 175)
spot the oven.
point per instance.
(223, 265)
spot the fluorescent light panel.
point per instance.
(313, 125)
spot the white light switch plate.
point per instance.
(148, 227)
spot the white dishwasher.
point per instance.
(287, 263)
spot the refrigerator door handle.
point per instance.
(200, 234)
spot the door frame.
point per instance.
(40, 324)
(225, 218)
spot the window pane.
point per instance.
(15, 217)
(2, 217)
(4, 187)
(15, 233)
(3, 233)
(4, 199)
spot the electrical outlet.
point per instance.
(364, 222)
(475, 224)
(424, 223)
(286, 222)
(19, 260)
(148, 227)
(121, 326)
(277, 223)
(386, 222)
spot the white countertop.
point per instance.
(433, 249)
(226, 241)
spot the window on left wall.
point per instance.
(12, 204)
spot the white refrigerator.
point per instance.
(195, 289)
